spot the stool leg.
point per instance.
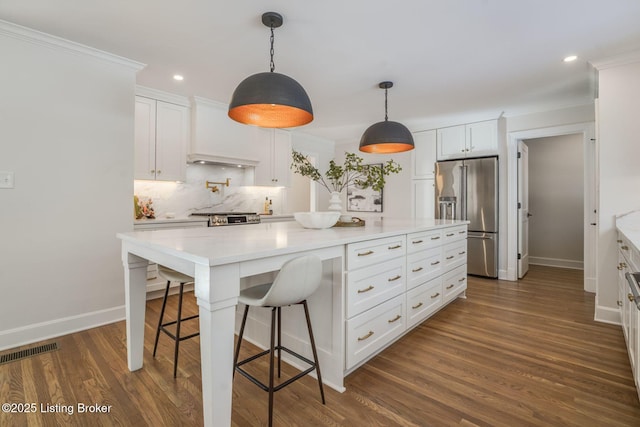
(175, 356)
(279, 339)
(240, 334)
(271, 356)
(164, 304)
(313, 348)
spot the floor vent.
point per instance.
(23, 354)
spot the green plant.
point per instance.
(351, 172)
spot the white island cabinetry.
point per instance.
(359, 309)
(629, 262)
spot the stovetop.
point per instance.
(230, 218)
(222, 213)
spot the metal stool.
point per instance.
(297, 280)
(183, 279)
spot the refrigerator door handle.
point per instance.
(470, 236)
(463, 192)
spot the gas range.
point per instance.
(229, 218)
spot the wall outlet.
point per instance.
(6, 179)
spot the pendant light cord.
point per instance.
(271, 63)
(386, 118)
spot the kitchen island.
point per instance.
(378, 281)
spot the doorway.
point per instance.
(589, 226)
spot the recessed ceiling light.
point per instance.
(570, 58)
(178, 77)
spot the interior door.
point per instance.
(523, 209)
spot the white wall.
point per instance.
(66, 130)
(619, 177)
(556, 200)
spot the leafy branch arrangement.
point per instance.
(352, 172)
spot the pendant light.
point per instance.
(387, 136)
(271, 100)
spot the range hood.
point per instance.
(209, 159)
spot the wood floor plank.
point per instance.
(524, 353)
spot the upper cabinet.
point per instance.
(423, 156)
(469, 140)
(161, 138)
(217, 138)
(274, 169)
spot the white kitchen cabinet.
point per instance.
(423, 156)
(628, 260)
(395, 283)
(161, 137)
(274, 148)
(470, 140)
(423, 197)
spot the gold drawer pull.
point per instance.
(462, 279)
(362, 291)
(365, 253)
(435, 238)
(394, 247)
(415, 270)
(631, 298)
(435, 263)
(462, 253)
(436, 295)
(449, 287)
(624, 248)
(462, 232)
(366, 336)
(417, 306)
(619, 303)
(622, 266)
(415, 242)
(450, 234)
(393, 279)
(450, 257)
(619, 241)
(394, 319)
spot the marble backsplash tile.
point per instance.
(181, 199)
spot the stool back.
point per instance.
(296, 281)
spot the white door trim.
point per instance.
(588, 133)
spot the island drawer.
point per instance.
(372, 330)
(454, 282)
(452, 234)
(423, 266)
(362, 254)
(454, 254)
(373, 285)
(423, 240)
(423, 301)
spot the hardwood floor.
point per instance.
(512, 354)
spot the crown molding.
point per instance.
(162, 96)
(626, 58)
(29, 35)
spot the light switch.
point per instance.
(6, 179)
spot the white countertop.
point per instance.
(629, 225)
(222, 245)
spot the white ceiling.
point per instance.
(470, 59)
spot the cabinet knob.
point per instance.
(159, 171)
(152, 171)
(631, 297)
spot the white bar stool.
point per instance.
(173, 276)
(296, 281)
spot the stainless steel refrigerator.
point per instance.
(468, 189)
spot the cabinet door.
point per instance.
(451, 143)
(424, 198)
(145, 139)
(273, 147)
(172, 135)
(482, 138)
(423, 156)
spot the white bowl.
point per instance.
(317, 219)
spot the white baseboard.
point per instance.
(607, 315)
(557, 262)
(46, 330)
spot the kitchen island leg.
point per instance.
(135, 285)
